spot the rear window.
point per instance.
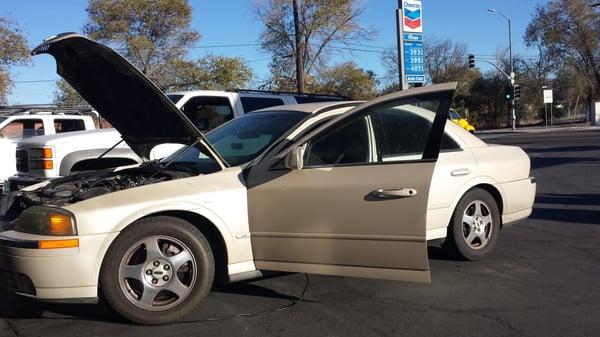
(256, 103)
(68, 125)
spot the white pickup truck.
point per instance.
(24, 123)
(80, 151)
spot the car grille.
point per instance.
(22, 160)
(16, 283)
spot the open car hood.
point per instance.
(121, 94)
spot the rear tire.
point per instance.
(474, 228)
(157, 271)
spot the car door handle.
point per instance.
(395, 193)
(460, 172)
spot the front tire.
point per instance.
(157, 271)
(474, 229)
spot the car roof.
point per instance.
(310, 107)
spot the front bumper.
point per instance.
(52, 274)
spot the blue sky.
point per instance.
(232, 22)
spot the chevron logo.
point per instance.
(412, 16)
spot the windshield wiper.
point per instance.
(177, 156)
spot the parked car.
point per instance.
(27, 123)
(336, 189)
(460, 121)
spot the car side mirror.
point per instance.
(294, 159)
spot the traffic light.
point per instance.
(471, 61)
(517, 91)
(508, 93)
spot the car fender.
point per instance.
(476, 181)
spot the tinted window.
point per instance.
(348, 144)
(400, 131)
(256, 103)
(23, 128)
(174, 98)
(208, 112)
(68, 125)
(312, 99)
(448, 144)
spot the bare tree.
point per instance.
(300, 35)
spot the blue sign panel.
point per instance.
(414, 61)
(413, 37)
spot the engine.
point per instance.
(86, 185)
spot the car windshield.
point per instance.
(243, 139)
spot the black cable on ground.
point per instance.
(255, 314)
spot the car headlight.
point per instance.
(46, 221)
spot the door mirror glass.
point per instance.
(294, 159)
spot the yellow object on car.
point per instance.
(462, 122)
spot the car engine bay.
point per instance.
(86, 185)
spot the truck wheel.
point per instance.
(474, 229)
(157, 271)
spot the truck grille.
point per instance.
(22, 160)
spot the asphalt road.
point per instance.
(543, 280)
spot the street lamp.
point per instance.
(512, 73)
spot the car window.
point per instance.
(243, 139)
(448, 144)
(400, 132)
(208, 112)
(174, 98)
(348, 144)
(256, 103)
(23, 128)
(68, 125)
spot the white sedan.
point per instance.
(337, 188)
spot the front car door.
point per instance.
(357, 206)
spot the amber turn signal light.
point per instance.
(55, 244)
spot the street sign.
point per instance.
(548, 97)
(414, 61)
(412, 19)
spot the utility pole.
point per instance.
(298, 51)
(512, 70)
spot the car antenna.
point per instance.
(181, 153)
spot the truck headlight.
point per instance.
(46, 221)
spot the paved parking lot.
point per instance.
(542, 281)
